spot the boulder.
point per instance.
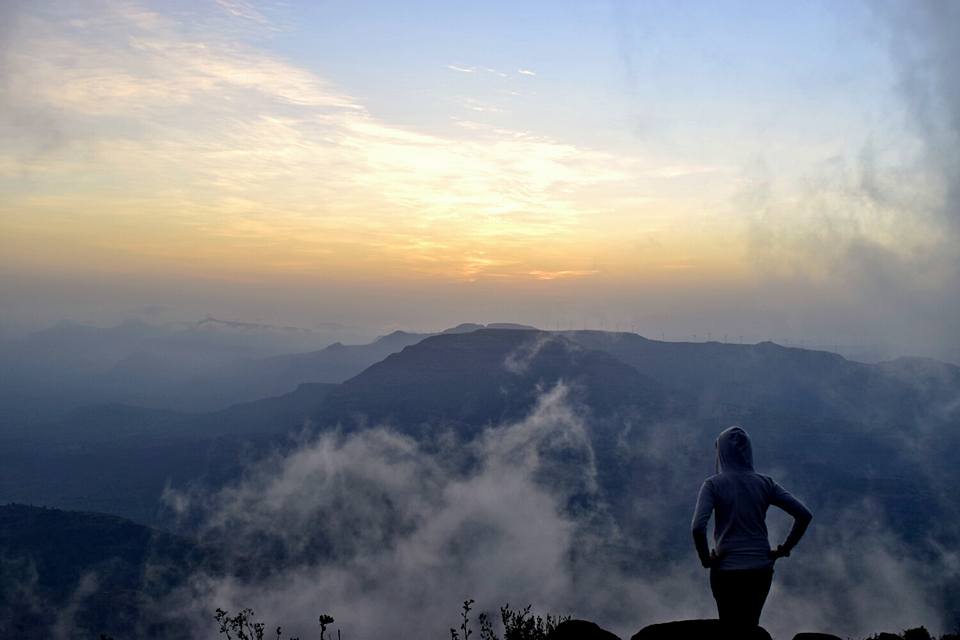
(697, 630)
(580, 630)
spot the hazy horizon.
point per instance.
(767, 171)
(317, 335)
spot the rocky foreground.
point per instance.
(710, 630)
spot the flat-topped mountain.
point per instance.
(488, 376)
(786, 380)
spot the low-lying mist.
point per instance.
(389, 536)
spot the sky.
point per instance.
(683, 169)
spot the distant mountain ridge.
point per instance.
(49, 372)
(784, 379)
(205, 365)
(275, 375)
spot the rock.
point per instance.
(816, 636)
(580, 630)
(697, 630)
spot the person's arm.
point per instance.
(782, 498)
(701, 516)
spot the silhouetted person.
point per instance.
(741, 566)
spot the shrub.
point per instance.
(243, 627)
(518, 624)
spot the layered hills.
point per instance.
(869, 442)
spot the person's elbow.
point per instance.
(698, 529)
(804, 516)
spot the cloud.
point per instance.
(29, 128)
(683, 170)
(863, 578)
(568, 273)
(410, 534)
(165, 143)
(874, 235)
(222, 146)
(482, 107)
(925, 46)
(244, 10)
(387, 533)
(65, 623)
(489, 70)
(518, 361)
(526, 72)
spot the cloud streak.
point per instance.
(215, 141)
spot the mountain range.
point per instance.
(838, 432)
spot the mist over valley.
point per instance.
(550, 468)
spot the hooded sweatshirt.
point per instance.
(740, 497)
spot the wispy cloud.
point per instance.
(245, 10)
(495, 72)
(526, 72)
(208, 138)
(682, 170)
(488, 70)
(554, 275)
(482, 107)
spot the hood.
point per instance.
(734, 452)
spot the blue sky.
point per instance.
(606, 72)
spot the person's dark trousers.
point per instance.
(740, 594)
